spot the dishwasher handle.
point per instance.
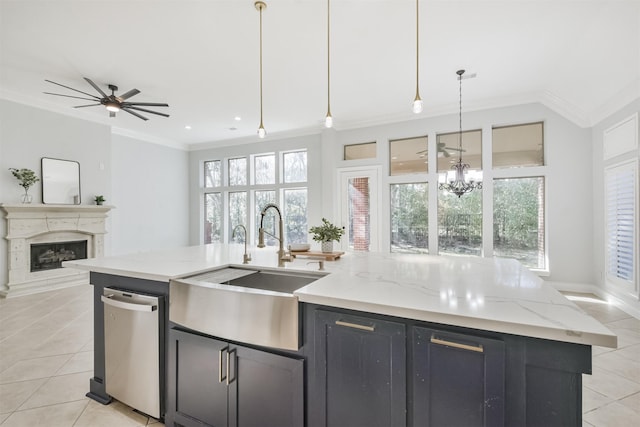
(127, 305)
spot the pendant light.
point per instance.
(417, 103)
(260, 5)
(458, 185)
(328, 121)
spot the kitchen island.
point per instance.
(386, 339)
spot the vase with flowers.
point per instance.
(27, 178)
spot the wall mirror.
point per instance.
(60, 181)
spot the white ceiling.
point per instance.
(580, 58)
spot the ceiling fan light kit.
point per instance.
(113, 103)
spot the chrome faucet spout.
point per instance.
(246, 257)
(282, 255)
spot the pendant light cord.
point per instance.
(460, 73)
(329, 57)
(261, 125)
(417, 49)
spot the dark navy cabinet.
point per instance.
(360, 371)
(458, 379)
(220, 384)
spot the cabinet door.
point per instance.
(200, 383)
(458, 379)
(361, 363)
(265, 390)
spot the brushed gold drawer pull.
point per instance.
(477, 348)
(355, 326)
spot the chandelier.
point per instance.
(328, 121)
(458, 185)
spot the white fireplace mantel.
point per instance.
(40, 223)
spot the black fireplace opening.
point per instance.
(47, 256)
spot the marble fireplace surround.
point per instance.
(39, 223)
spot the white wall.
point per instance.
(145, 182)
(27, 134)
(568, 152)
(598, 192)
(150, 194)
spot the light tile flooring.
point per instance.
(46, 360)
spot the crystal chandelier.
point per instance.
(458, 185)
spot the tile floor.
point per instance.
(46, 360)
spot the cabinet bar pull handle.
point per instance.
(229, 365)
(356, 326)
(477, 348)
(220, 377)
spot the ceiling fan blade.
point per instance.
(95, 86)
(85, 93)
(421, 151)
(147, 111)
(82, 106)
(129, 94)
(71, 96)
(146, 104)
(135, 114)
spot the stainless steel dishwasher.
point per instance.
(132, 349)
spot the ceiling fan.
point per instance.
(113, 102)
(442, 148)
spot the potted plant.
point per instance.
(99, 200)
(27, 178)
(326, 233)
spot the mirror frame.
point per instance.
(60, 181)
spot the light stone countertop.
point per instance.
(481, 293)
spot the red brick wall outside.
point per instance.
(359, 213)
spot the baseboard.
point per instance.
(626, 304)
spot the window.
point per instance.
(237, 194)
(295, 214)
(212, 174)
(449, 151)
(408, 156)
(409, 218)
(366, 150)
(213, 218)
(621, 220)
(238, 171)
(519, 145)
(295, 166)
(460, 223)
(518, 220)
(265, 169)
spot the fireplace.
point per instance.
(48, 256)
(41, 237)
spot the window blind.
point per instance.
(621, 193)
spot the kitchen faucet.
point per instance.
(246, 257)
(282, 255)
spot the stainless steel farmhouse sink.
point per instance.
(253, 306)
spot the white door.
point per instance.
(358, 190)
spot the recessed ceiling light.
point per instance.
(187, 127)
(237, 118)
(394, 158)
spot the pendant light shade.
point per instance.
(260, 5)
(458, 184)
(328, 121)
(417, 102)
